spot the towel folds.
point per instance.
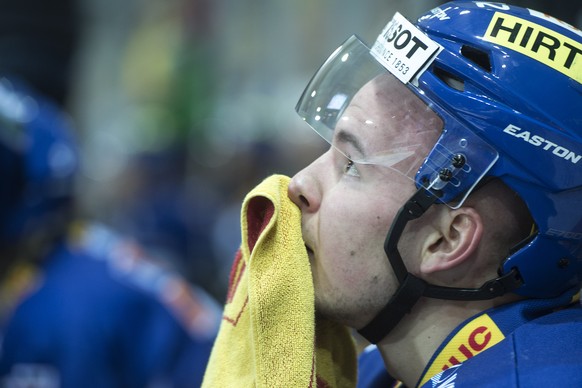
(269, 336)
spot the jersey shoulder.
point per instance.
(544, 352)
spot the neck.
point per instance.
(409, 347)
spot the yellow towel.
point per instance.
(269, 336)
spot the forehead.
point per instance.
(385, 117)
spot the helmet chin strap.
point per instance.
(411, 287)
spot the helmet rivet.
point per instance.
(563, 262)
(458, 161)
(445, 174)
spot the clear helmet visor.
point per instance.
(371, 117)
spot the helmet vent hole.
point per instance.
(479, 57)
(451, 80)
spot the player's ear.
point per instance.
(454, 238)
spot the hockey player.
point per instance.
(444, 223)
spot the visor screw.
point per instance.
(563, 263)
(459, 161)
(445, 174)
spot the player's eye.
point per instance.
(351, 169)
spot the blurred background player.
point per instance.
(79, 304)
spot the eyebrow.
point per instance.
(342, 136)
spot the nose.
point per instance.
(305, 190)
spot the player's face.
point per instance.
(347, 208)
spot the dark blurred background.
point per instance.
(183, 106)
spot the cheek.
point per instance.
(352, 276)
(352, 240)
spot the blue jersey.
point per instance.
(524, 344)
(100, 315)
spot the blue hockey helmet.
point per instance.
(513, 76)
(38, 162)
(507, 83)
